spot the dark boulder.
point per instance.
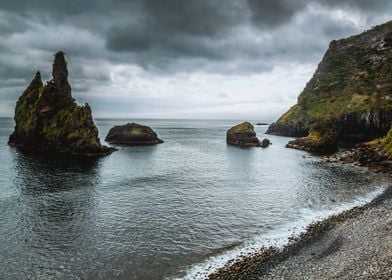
(132, 134)
(265, 143)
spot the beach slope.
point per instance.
(356, 244)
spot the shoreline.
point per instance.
(265, 264)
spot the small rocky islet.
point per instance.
(244, 135)
(48, 119)
(132, 134)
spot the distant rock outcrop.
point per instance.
(48, 119)
(132, 134)
(349, 96)
(244, 135)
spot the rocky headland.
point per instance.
(132, 134)
(244, 135)
(348, 99)
(48, 119)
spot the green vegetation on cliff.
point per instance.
(387, 142)
(245, 127)
(48, 118)
(350, 92)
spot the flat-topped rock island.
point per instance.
(132, 134)
(244, 135)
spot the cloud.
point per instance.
(142, 51)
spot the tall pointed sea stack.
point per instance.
(60, 73)
(48, 119)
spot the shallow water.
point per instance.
(159, 211)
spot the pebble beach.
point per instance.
(356, 244)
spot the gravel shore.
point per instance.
(356, 244)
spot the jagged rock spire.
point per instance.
(38, 75)
(60, 73)
(36, 82)
(47, 118)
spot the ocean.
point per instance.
(171, 211)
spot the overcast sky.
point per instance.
(236, 59)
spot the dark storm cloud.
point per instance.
(365, 5)
(10, 23)
(166, 37)
(166, 31)
(161, 32)
(174, 29)
(49, 6)
(196, 28)
(273, 13)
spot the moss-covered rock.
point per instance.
(387, 143)
(244, 135)
(132, 134)
(351, 89)
(375, 154)
(315, 143)
(47, 118)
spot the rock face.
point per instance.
(244, 135)
(387, 143)
(48, 119)
(132, 134)
(60, 74)
(376, 155)
(324, 145)
(350, 94)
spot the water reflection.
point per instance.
(53, 211)
(40, 173)
(148, 212)
(241, 160)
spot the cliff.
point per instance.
(349, 95)
(48, 119)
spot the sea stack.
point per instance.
(48, 119)
(132, 134)
(348, 99)
(244, 135)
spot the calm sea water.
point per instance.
(169, 210)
